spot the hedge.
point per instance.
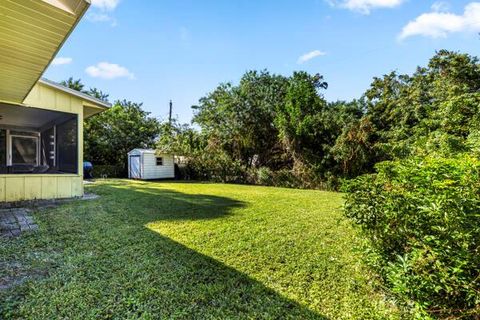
(422, 219)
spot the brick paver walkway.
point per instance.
(15, 221)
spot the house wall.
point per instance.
(150, 170)
(45, 97)
(32, 187)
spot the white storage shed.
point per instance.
(146, 164)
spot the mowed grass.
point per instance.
(149, 250)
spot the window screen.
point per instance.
(3, 148)
(67, 146)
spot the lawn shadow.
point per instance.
(189, 284)
(166, 204)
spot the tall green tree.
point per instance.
(99, 94)
(110, 135)
(75, 84)
(300, 119)
(429, 111)
(180, 139)
(241, 119)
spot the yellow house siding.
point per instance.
(45, 97)
(2, 190)
(64, 187)
(15, 189)
(33, 187)
(77, 186)
(49, 187)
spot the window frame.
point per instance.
(161, 161)
(10, 138)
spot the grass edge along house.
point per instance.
(41, 122)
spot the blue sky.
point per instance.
(154, 51)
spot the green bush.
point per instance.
(422, 217)
(263, 176)
(215, 167)
(105, 171)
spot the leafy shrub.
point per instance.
(100, 171)
(219, 168)
(423, 219)
(286, 178)
(265, 177)
(216, 167)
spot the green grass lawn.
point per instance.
(190, 251)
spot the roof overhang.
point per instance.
(31, 34)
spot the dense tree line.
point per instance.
(274, 129)
(270, 125)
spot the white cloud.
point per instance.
(440, 24)
(106, 70)
(102, 17)
(365, 6)
(102, 14)
(60, 61)
(105, 4)
(310, 55)
(441, 6)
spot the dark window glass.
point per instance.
(159, 161)
(67, 146)
(3, 148)
(24, 150)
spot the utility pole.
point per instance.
(170, 113)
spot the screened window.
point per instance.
(3, 149)
(67, 146)
(37, 141)
(24, 150)
(159, 161)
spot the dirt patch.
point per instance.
(15, 274)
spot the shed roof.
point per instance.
(142, 151)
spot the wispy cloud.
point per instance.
(441, 6)
(103, 12)
(105, 4)
(60, 61)
(365, 6)
(102, 17)
(109, 71)
(310, 55)
(438, 24)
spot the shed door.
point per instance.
(135, 167)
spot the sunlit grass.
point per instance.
(185, 250)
